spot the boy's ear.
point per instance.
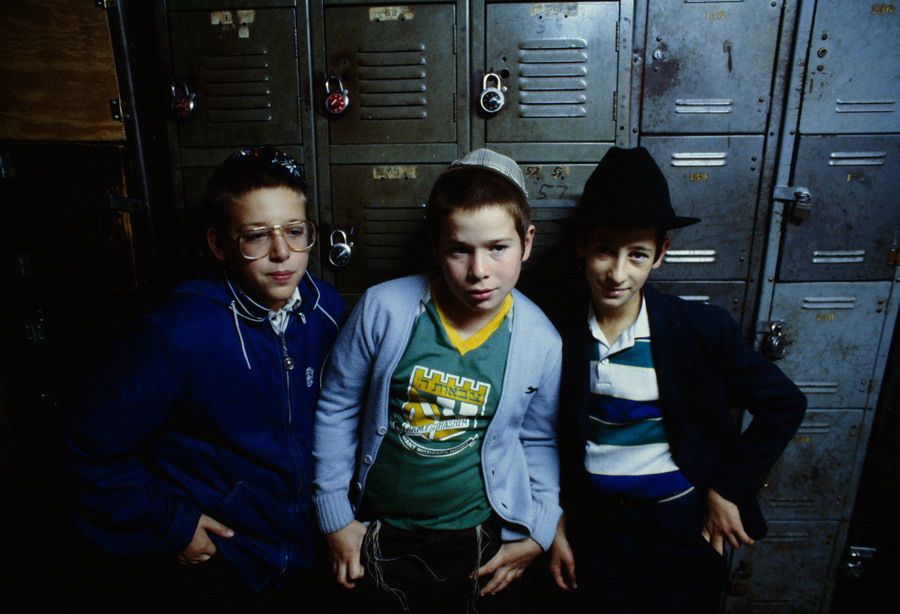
(662, 253)
(212, 239)
(528, 242)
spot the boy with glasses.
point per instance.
(192, 441)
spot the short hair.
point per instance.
(470, 188)
(231, 182)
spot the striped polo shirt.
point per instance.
(627, 453)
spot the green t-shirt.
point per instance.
(427, 474)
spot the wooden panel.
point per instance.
(57, 71)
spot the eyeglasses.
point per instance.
(257, 243)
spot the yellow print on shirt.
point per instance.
(442, 406)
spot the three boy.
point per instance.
(193, 439)
(435, 446)
(656, 476)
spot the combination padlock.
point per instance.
(336, 102)
(341, 249)
(182, 100)
(492, 98)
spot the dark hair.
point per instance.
(469, 188)
(231, 182)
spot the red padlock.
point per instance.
(336, 102)
(182, 100)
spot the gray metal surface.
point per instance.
(717, 180)
(833, 333)
(708, 66)
(854, 219)
(559, 65)
(813, 479)
(852, 84)
(783, 573)
(399, 68)
(242, 66)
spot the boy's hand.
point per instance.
(202, 547)
(723, 522)
(345, 547)
(509, 563)
(562, 560)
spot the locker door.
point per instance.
(382, 209)
(852, 83)
(708, 65)
(717, 180)
(398, 65)
(854, 220)
(558, 63)
(242, 67)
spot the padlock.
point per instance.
(492, 98)
(336, 102)
(340, 252)
(182, 100)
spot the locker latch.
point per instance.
(800, 198)
(774, 345)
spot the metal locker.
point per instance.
(833, 332)
(717, 180)
(398, 67)
(813, 480)
(241, 67)
(852, 84)
(852, 222)
(558, 65)
(759, 583)
(728, 295)
(553, 190)
(381, 208)
(708, 65)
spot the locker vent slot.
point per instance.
(697, 299)
(789, 503)
(237, 87)
(553, 78)
(695, 256)
(838, 257)
(857, 158)
(818, 387)
(709, 106)
(392, 84)
(388, 225)
(787, 537)
(829, 302)
(866, 106)
(699, 159)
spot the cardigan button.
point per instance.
(382, 430)
(367, 460)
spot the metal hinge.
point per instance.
(800, 198)
(115, 109)
(894, 257)
(34, 333)
(615, 107)
(617, 37)
(124, 203)
(104, 4)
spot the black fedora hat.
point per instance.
(626, 190)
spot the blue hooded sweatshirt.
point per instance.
(204, 409)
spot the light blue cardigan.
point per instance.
(519, 456)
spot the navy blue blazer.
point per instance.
(705, 370)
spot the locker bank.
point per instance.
(776, 121)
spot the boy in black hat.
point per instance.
(656, 474)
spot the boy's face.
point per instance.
(481, 256)
(271, 280)
(617, 262)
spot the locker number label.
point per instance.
(715, 14)
(391, 13)
(394, 172)
(882, 9)
(698, 176)
(824, 317)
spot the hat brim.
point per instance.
(626, 219)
